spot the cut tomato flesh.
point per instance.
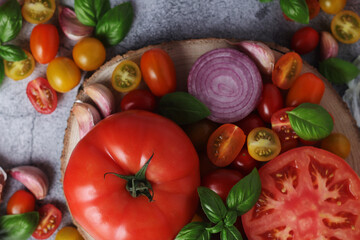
(307, 194)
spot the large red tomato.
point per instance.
(307, 193)
(122, 144)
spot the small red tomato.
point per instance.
(44, 42)
(41, 95)
(250, 122)
(244, 162)
(305, 40)
(21, 202)
(50, 219)
(140, 99)
(271, 101)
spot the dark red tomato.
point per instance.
(271, 101)
(305, 40)
(244, 163)
(306, 88)
(221, 181)
(139, 99)
(250, 122)
(314, 9)
(50, 219)
(286, 70)
(44, 42)
(41, 95)
(21, 202)
(307, 193)
(280, 123)
(200, 132)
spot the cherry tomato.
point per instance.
(140, 99)
(50, 219)
(224, 144)
(332, 6)
(41, 95)
(20, 69)
(345, 27)
(244, 162)
(286, 70)
(63, 74)
(89, 54)
(44, 43)
(263, 144)
(21, 202)
(305, 40)
(68, 233)
(126, 76)
(38, 11)
(337, 143)
(306, 88)
(158, 71)
(271, 100)
(250, 122)
(200, 132)
(221, 181)
(314, 9)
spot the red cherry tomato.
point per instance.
(41, 95)
(44, 42)
(140, 99)
(244, 163)
(21, 202)
(250, 122)
(305, 40)
(50, 219)
(271, 100)
(286, 70)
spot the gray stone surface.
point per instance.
(27, 137)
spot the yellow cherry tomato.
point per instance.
(332, 6)
(68, 233)
(89, 54)
(337, 143)
(345, 27)
(126, 76)
(20, 69)
(38, 11)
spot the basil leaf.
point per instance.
(230, 218)
(10, 20)
(19, 226)
(265, 1)
(244, 194)
(338, 71)
(230, 233)
(311, 121)
(115, 24)
(12, 53)
(182, 108)
(89, 12)
(212, 205)
(217, 228)
(2, 71)
(296, 10)
(194, 231)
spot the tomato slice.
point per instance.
(308, 194)
(263, 144)
(286, 70)
(38, 11)
(126, 76)
(224, 144)
(20, 69)
(41, 95)
(345, 27)
(50, 219)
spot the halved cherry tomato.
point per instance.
(286, 70)
(263, 144)
(158, 71)
(140, 99)
(38, 11)
(337, 143)
(224, 144)
(21, 202)
(200, 132)
(345, 27)
(41, 95)
(251, 121)
(50, 219)
(244, 162)
(305, 40)
(332, 6)
(306, 88)
(89, 54)
(314, 9)
(20, 69)
(271, 100)
(44, 42)
(126, 76)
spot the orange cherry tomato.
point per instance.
(44, 42)
(21, 202)
(263, 144)
(337, 143)
(332, 6)
(286, 70)
(89, 54)
(38, 11)
(345, 27)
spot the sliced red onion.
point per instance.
(227, 82)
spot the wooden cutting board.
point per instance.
(184, 54)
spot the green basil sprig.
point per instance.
(18, 226)
(12, 53)
(89, 12)
(311, 121)
(338, 71)
(296, 10)
(242, 197)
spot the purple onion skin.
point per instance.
(228, 82)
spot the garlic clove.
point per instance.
(102, 96)
(86, 115)
(33, 178)
(329, 47)
(71, 26)
(260, 53)
(3, 177)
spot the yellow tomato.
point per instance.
(38, 11)
(89, 54)
(332, 6)
(126, 76)
(68, 233)
(345, 27)
(338, 144)
(20, 69)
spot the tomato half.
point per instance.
(224, 144)
(271, 100)
(50, 219)
(44, 42)
(38, 11)
(250, 122)
(126, 76)
(337, 143)
(263, 144)
(305, 40)
(140, 99)
(20, 69)
(332, 6)
(286, 70)
(307, 193)
(345, 27)
(89, 54)
(21, 202)
(122, 143)
(41, 95)
(158, 71)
